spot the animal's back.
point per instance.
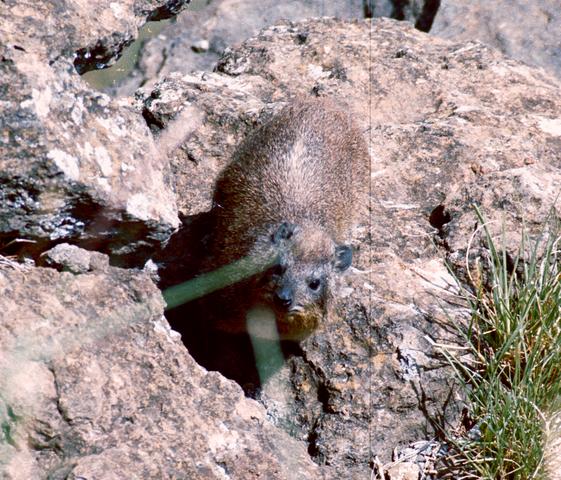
(307, 165)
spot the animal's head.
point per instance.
(299, 286)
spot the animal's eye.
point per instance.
(314, 284)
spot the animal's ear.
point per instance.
(283, 232)
(343, 257)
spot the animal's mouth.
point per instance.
(296, 323)
(295, 310)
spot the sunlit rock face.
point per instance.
(113, 390)
(95, 384)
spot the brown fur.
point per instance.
(307, 167)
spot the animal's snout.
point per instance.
(284, 297)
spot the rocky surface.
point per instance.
(70, 258)
(527, 31)
(198, 38)
(92, 34)
(114, 393)
(450, 125)
(96, 386)
(552, 448)
(74, 165)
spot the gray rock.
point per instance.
(93, 381)
(95, 385)
(197, 39)
(552, 446)
(219, 24)
(527, 31)
(70, 258)
(404, 471)
(95, 41)
(75, 166)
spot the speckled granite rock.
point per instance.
(70, 258)
(94, 383)
(91, 34)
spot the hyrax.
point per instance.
(296, 184)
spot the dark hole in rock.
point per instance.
(168, 10)
(83, 222)
(101, 56)
(439, 217)
(126, 240)
(313, 449)
(302, 37)
(215, 349)
(23, 249)
(323, 397)
(154, 123)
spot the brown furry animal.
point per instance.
(296, 184)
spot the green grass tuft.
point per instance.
(513, 379)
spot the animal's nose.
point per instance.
(284, 297)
